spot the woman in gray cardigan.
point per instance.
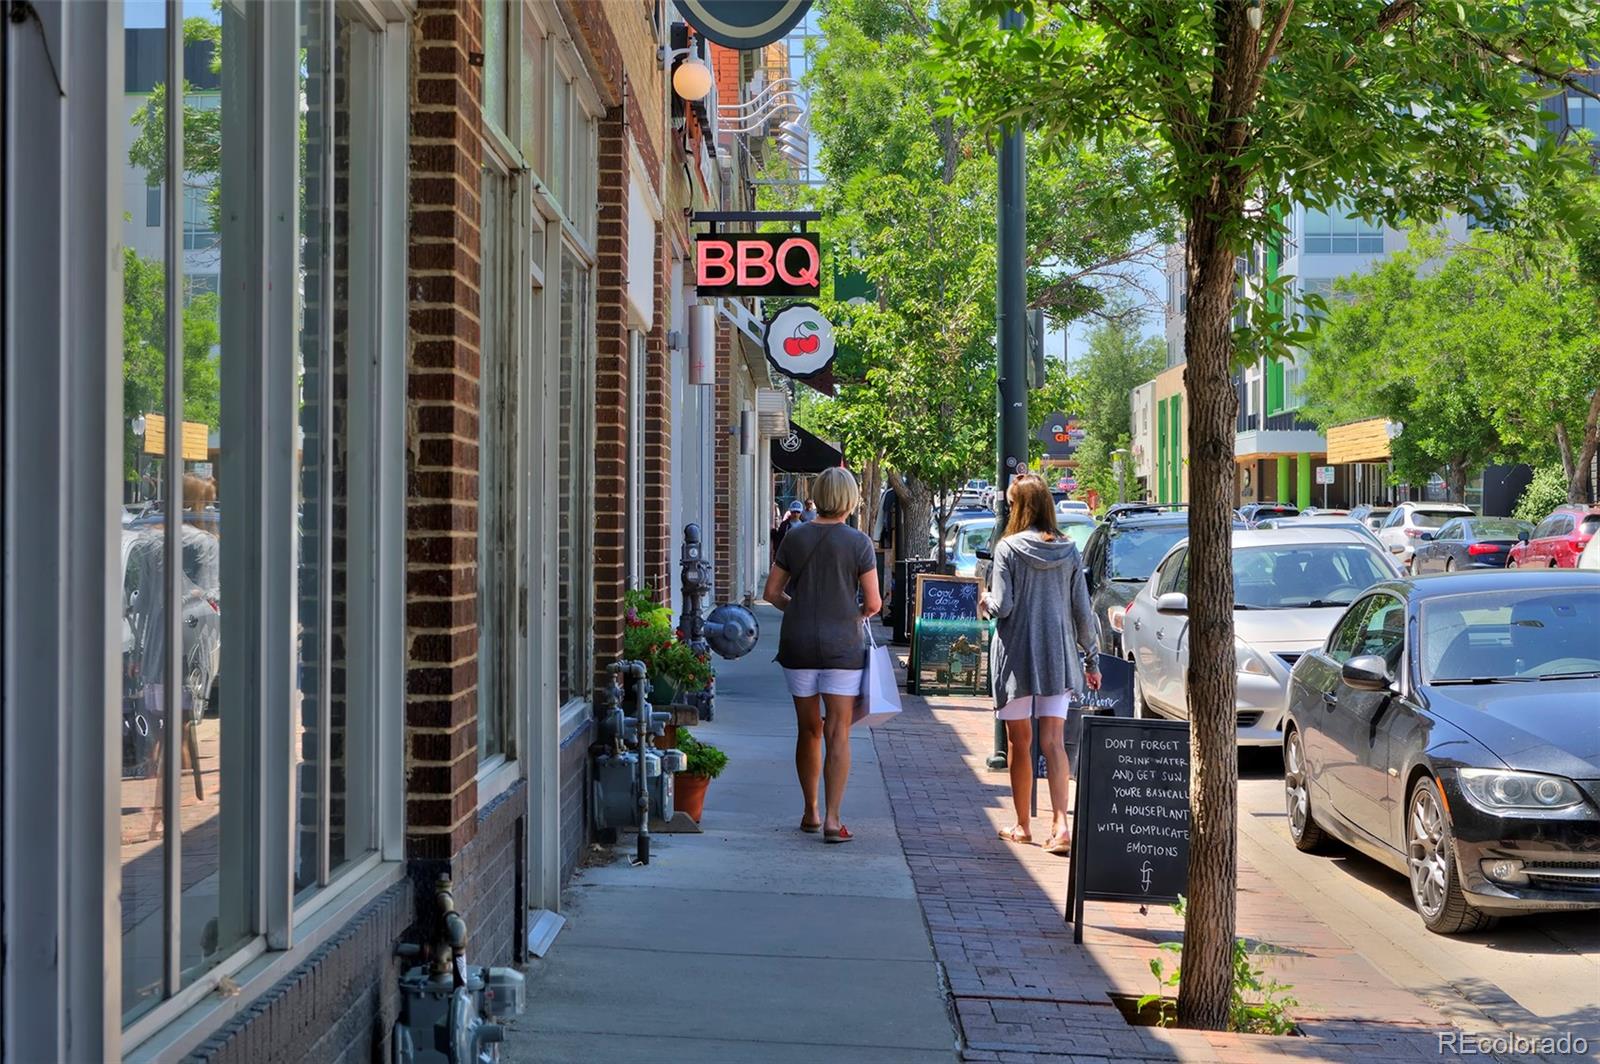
(1040, 603)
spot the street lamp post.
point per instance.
(1012, 326)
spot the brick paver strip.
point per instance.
(1021, 989)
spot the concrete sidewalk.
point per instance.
(752, 941)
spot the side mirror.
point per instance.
(1367, 672)
(1173, 602)
(984, 554)
(1522, 537)
(1427, 537)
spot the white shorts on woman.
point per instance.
(1034, 706)
(804, 683)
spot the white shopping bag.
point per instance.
(880, 691)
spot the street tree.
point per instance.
(910, 201)
(1486, 348)
(1379, 108)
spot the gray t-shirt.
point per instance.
(822, 626)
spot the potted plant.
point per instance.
(674, 666)
(704, 764)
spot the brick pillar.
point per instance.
(726, 450)
(442, 458)
(659, 541)
(611, 379)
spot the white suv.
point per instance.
(1404, 526)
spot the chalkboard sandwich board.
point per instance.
(946, 598)
(1130, 837)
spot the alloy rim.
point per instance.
(1294, 786)
(1427, 857)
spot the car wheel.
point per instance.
(1414, 567)
(1431, 859)
(1449, 564)
(1303, 830)
(1511, 563)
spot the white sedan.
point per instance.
(1289, 588)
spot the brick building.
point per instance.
(415, 276)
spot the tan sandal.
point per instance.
(1061, 844)
(1016, 835)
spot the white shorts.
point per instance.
(1034, 706)
(803, 683)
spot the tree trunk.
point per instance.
(1206, 989)
(916, 513)
(1579, 490)
(1456, 483)
(871, 496)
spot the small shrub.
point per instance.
(1546, 491)
(703, 758)
(1259, 1005)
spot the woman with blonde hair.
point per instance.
(825, 580)
(1044, 622)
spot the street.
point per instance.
(1530, 975)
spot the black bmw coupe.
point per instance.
(1450, 728)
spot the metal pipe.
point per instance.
(1011, 431)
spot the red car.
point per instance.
(1557, 540)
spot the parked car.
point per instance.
(1071, 506)
(1321, 520)
(1450, 728)
(1557, 541)
(1121, 554)
(1590, 558)
(1321, 511)
(964, 538)
(1468, 543)
(1372, 516)
(1289, 587)
(1260, 511)
(1406, 523)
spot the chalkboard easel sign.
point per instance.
(945, 598)
(1130, 838)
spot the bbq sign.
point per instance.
(758, 264)
(799, 341)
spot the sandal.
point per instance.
(842, 835)
(810, 827)
(1016, 835)
(1061, 844)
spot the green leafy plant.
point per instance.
(703, 758)
(647, 636)
(1259, 1004)
(1546, 491)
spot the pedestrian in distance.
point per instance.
(825, 580)
(810, 512)
(791, 517)
(1043, 622)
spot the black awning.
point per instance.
(801, 452)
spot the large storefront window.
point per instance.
(250, 777)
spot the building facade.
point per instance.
(411, 279)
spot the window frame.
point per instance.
(285, 933)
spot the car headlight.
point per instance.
(1248, 661)
(1502, 791)
(1114, 617)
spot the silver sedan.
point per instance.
(1289, 585)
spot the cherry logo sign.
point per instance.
(799, 341)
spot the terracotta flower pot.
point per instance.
(689, 794)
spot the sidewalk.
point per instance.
(752, 941)
(1023, 991)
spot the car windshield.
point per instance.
(1133, 553)
(973, 538)
(1499, 529)
(1292, 576)
(1506, 635)
(1079, 532)
(1433, 518)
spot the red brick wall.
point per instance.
(442, 460)
(658, 531)
(611, 380)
